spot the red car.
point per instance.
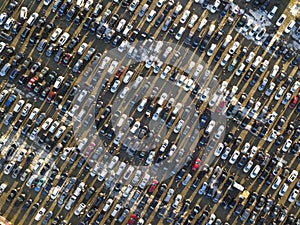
(132, 219)
(153, 186)
(196, 164)
(32, 82)
(293, 102)
(66, 58)
(51, 96)
(120, 71)
(89, 149)
(221, 106)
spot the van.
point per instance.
(143, 10)
(225, 60)
(121, 25)
(180, 33)
(186, 180)
(32, 19)
(240, 70)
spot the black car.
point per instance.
(71, 14)
(11, 195)
(25, 34)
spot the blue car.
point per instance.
(10, 100)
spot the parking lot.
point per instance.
(189, 117)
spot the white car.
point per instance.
(287, 145)
(124, 92)
(250, 57)
(63, 39)
(56, 34)
(133, 5)
(79, 209)
(272, 12)
(255, 171)
(279, 93)
(9, 23)
(286, 98)
(248, 167)
(202, 24)
(219, 149)
(185, 16)
(34, 133)
(135, 127)
(23, 13)
(215, 6)
(177, 201)
(234, 157)
(142, 105)
(280, 20)
(290, 26)
(292, 177)
(193, 20)
(164, 145)
(115, 86)
(274, 72)
(293, 195)
(47, 123)
(156, 114)
(82, 48)
(19, 105)
(127, 76)
(40, 213)
(2, 188)
(150, 157)
(295, 86)
(283, 189)
(225, 154)
(107, 205)
(165, 72)
(26, 109)
(151, 15)
(276, 183)
(219, 131)
(9, 167)
(272, 136)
